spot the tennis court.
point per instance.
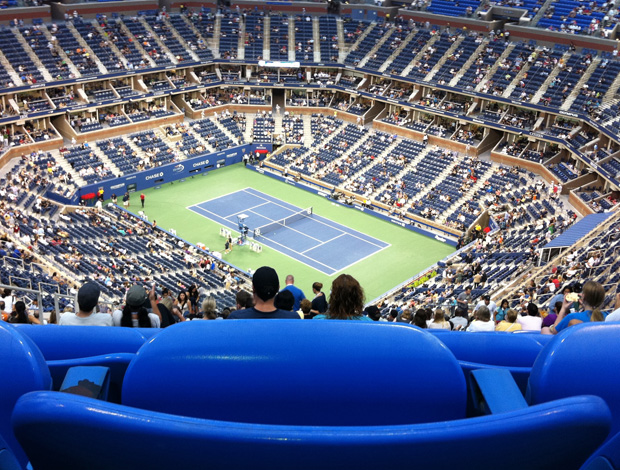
(318, 242)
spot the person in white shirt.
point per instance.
(532, 321)
(483, 321)
(615, 315)
(87, 299)
(488, 303)
(135, 314)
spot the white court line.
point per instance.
(247, 210)
(362, 259)
(301, 255)
(321, 222)
(323, 243)
(291, 228)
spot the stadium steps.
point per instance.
(249, 119)
(62, 54)
(454, 47)
(217, 31)
(241, 43)
(469, 195)
(106, 161)
(137, 44)
(33, 56)
(291, 38)
(527, 65)
(102, 34)
(440, 177)
(180, 38)
(199, 138)
(342, 52)
(543, 9)
(582, 81)
(82, 42)
(375, 48)
(493, 69)
(610, 97)
(419, 55)
(266, 38)
(209, 42)
(554, 73)
(160, 43)
(359, 40)
(316, 35)
(307, 130)
(477, 53)
(398, 51)
(10, 70)
(65, 165)
(406, 169)
(226, 132)
(379, 158)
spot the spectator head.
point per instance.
(225, 312)
(460, 312)
(373, 312)
(88, 297)
(487, 299)
(468, 290)
(592, 296)
(266, 283)
(136, 296)
(440, 316)
(407, 316)
(244, 300)
(316, 287)
(208, 309)
(532, 310)
(483, 314)
(347, 298)
(504, 304)
(393, 315)
(290, 280)
(285, 300)
(511, 315)
(419, 318)
(567, 289)
(19, 310)
(305, 305)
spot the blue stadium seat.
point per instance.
(288, 394)
(22, 370)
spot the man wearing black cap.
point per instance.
(87, 299)
(265, 286)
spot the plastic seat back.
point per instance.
(22, 370)
(58, 342)
(582, 360)
(289, 372)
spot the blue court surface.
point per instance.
(316, 241)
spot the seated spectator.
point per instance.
(244, 300)
(209, 309)
(134, 313)
(406, 317)
(346, 301)
(306, 308)
(509, 324)
(459, 321)
(419, 319)
(373, 312)
(319, 303)
(20, 315)
(439, 321)
(615, 315)
(265, 286)
(532, 321)
(87, 299)
(483, 321)
(501, 312)
(591, 299)
(285, 300)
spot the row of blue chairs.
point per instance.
(261, 394)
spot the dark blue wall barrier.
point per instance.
(173, 171)
(418, 227)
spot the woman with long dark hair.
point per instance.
(346, 301)
(135, 314)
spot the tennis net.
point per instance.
(285, 222)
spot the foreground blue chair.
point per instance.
(70, 346)
(286, 394)
(497, 350)
(583, 359)
(22, 369)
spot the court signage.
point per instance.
(173, 171)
